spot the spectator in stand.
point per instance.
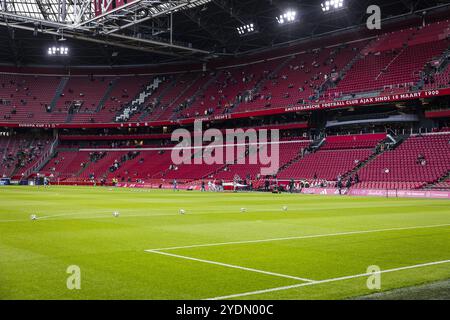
(291, 185)
(266, 184)
(349, 182)
(421, 160)
(339, 186)
(203, 186)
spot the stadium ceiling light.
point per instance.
(287, 17)
(246, 29)
(58, 51)
(332, 5)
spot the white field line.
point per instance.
(299, 237)
(59, 215)
(251, 293)
(230, 266)
(108, 214)
(50, 217)
(17, 220)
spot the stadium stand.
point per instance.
(416, 162)
(20, 154)
(226, 88)
(289, 150)
(390, 64)
(27, 98)
(124, 90)
(301, 77)
(9, 148)
(337, 157)
(439, 79)
(394, 61)
(174, 95)
(442, 185)
(81, 97)
(389, 70)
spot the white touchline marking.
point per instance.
(58, 215)
(17, 220)
(103, 216)
(251, 293)
(125, 215)
(231, 266)
(50, 217)
(298, 237)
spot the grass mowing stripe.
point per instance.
(230, 266)
(252, 293)
(299, 237)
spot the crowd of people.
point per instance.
(126, 157)
(22, 154)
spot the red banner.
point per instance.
(437, 114)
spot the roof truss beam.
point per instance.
(75, 18)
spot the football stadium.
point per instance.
(254, 150)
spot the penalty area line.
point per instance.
(231, 266)
(299, 237)
(252, 293)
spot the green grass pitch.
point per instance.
(320, 248)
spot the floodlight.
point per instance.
(58, 51)
(246, 29)
(287, 17)
(332, 5)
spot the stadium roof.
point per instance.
(33, 8)
(50, 9)
(149, 31)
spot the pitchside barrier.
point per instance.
(394, 193)
(391, 193)
(5, 181)
(387, 193)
